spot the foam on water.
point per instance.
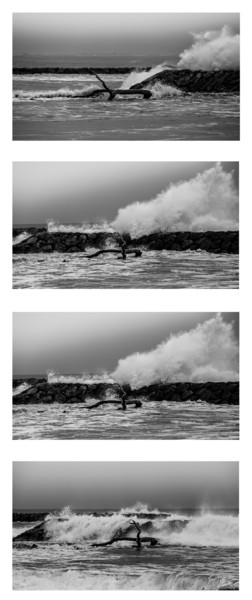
(105, 227)
(76, 580)
(53, 377)
(206, 529)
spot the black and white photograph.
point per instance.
(126, 525)
(126, 76)
(129, 375)
(126, 225)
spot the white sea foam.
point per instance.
(208, 201)
(21, 238)
(139, 76)
(53, 377)
(54, 94)
(212, 50)
(21, 388)
(77, 580)
(53, 227)
(205, 529)
(208, 352)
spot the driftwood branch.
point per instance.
(153, 541)
(115, 92)
(137, 403)
(135, 251)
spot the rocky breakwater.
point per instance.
(70, 242)
(43, 241)
(217, 242)
(204, 82)
(211, 392)
(72, 393)
(66, 393)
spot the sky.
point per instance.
(73, 192)
(112, 33)
(76, 343)
(101, 485)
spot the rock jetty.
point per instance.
(40, 391)
(41, 241)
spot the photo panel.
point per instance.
(110, 376)
(126, 76)
(157, 225)
(126, 525)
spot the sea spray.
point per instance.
(21, 238)
(85, 378)
(139, 76)
(209, 352)
(208, 201)
(208, 529)
(21, 388)
(212, 50)
(54, 227)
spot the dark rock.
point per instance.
(225, 81)
(210, 241)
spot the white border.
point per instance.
(130, 299)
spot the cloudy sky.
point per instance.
(73, 192)
(99, 485)
(91, 342)
(153, 34)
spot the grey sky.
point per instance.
(90, 342)
(75, 192)
(93, 485)
(108, 33)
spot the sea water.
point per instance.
(196, 551)
(45, 107)
(155, 420)
(154, 269)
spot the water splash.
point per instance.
(207, 202)
(212, 50)
(86, 378)
(53, 227)
(21, 238)
(207, 529)
(209, 352)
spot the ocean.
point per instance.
(46, 106)
(155, 420)
(196, 550)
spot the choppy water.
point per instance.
(190, 117)
(155, 420)
(155, 269)
(202, 553)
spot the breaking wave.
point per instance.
(139, 76)
(212, 50)
(21, 238)
(205, 529)
(207, 202)
(209, 352)
(77, 580)
(21, 388)
(54, 94)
